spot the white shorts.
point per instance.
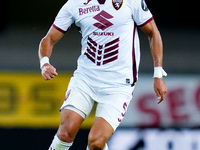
(112, 101)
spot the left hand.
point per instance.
(160, 89)
(48, 71)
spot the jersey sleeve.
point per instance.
(64, 18)
(141, 13)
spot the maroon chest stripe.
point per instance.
(91, 41)
(111, 48)
(112, 42)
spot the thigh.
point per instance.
(78, 96)
(113, 109)
(69, 125)
(100, 131)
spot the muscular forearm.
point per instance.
(45, 47)
(156, 48)
(48, 42)
(155, 41)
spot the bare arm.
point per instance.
(156, 47)
(45, 49)
(48, 42)
(155, 42)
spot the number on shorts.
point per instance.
(123, 114)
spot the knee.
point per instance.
(65, 137)
(66, 134)
(69, 126)
(96, 143)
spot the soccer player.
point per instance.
(107, 68)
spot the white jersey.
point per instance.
(110, 44)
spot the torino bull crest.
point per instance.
(117, 4)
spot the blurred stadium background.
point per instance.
(29, 106)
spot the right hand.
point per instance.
(48, 71)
